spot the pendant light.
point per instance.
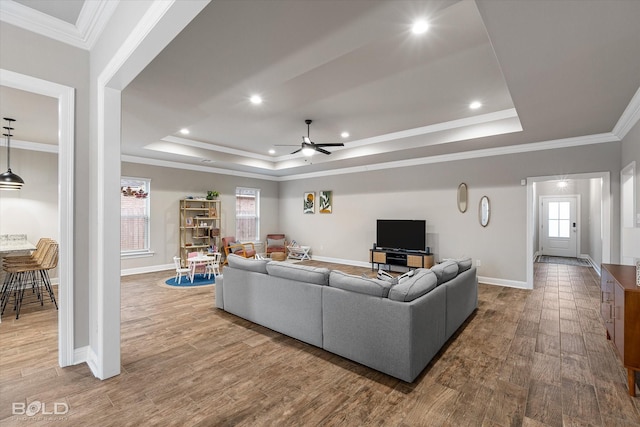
(9, 180)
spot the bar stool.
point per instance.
(29, 272)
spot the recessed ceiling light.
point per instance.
(475, 105)
(272, 151)
(345, 134)
(420, 27)
(184, 131)
(255, 99)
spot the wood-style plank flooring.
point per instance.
(533, 358)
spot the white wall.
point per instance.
(595, 221)
(168, 186)
(28, 53)
(429, 192)
(631, 152)
(34, 209)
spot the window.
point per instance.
(247, 214)
(134, 216)
(559, 219)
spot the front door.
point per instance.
(558, 227)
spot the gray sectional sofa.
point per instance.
(394, 329)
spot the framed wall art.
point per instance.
(325, 202)
(309, 202)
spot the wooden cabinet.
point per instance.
(402, 258)
(620, 310)
(199, 226)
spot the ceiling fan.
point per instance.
(308, 147)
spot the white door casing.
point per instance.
(559, 226)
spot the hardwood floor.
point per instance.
(532, 358)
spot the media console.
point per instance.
(389, 257)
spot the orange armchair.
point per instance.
(276, 243)
(231, 246)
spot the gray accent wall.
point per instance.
(429, 192)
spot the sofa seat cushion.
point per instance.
(251, 264)
(445, 271)
(359, 284)
(301, 273)
(420, 283)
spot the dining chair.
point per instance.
(180, 270)
(213, 267)
(198, 267)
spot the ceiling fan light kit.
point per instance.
(9, 180)
(309, 147)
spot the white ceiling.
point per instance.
(545, 71)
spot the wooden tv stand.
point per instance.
(389, 257)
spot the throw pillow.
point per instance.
(275, 242)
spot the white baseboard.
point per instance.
(503, 282)
(80, 355)
(595, 266)
(92, 360)
(148, 269)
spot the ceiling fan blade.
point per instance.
(334, 144)
(320, 150)
(297, 151)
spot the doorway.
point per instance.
(66, 128)
(600, 228)
(559, 233)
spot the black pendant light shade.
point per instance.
(9, 180)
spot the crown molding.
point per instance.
(31, 146)
(473, 154)
(91, 21)
(196, 168)
(629, 117)
(93, 18)
(214, 147)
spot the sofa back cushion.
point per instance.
(463, 264)
(420, 283)
(359, 284)
(445, 271)
(301, 273)
(251, 264)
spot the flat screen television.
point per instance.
(405, 234)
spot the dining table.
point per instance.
(202, 259)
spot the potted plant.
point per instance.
(211, 195)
